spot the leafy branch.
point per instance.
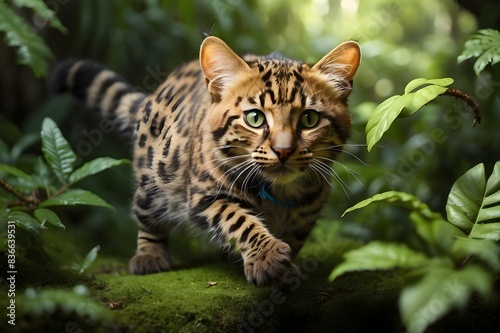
(31, 211)
(417, 93)
(30, 48)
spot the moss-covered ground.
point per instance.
(204, 294)
(216, 298)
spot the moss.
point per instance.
(178, 299)
(182, 301)
(203, 294)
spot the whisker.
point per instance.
(330, 171)
(247, 166)
(234, 168)
(339, 149)
(319, 172)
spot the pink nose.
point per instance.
(282, 152)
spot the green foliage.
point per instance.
(449, 246)
(457, 256)
(439, 288)
(474, 203)
(48, 307)
(485, 45)
(31, 49)
(379, 256)
(57, 151)
(87, 261)
(417, 93)
(27, 196)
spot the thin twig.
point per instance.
(467, 99)
(14, 192)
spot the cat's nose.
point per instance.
(282, 152)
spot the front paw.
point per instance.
(268, 266)
(148, 263)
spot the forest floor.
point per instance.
(206, 294)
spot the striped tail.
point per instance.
(99, 88)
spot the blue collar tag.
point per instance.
(265, 195)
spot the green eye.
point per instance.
(309, 118)
(255, 118)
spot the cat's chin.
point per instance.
(283, 175)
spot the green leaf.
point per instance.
(14, 172)
(485, 45)
(95, 166)
(414, 84)
(474, 204)
(56, 150)
(76, 197)
(438, 234)
(394, 198)
(439, 291)
(403, 106)
(486, 250)
(23, 220)
(89, 259)
(47, 216)
(41, 9)
(30, 48)
(486, 231)
(379, 256)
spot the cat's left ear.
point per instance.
(219, 63)
(341, 62)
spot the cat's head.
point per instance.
(274, 117)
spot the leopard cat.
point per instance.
(240, 146)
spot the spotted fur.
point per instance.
(242, 147)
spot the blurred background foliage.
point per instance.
(401, 40)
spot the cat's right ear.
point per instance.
(219, 63)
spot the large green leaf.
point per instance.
(56, 150)
(41, 9)
(76, 197)
(394, 198)
(47, 216)
(403, 106)
(379, 256)
(474, 203)
(441, 289)
(430, 225)
(30, 48)
(485, 45)
(95, 166)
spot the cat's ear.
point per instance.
(219, 63)
(341, 62)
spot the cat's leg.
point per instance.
(151, 254)
(267, 260)
(297, 237)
